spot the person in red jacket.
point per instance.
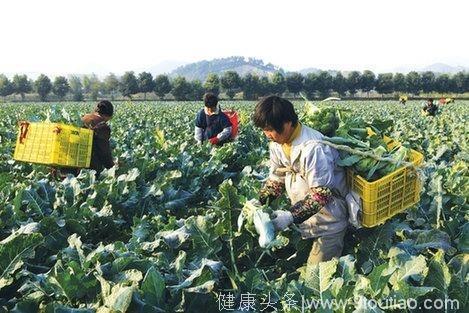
(211, 123)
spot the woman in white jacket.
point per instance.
(307, 170)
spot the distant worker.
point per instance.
(403, 99)
(430, 108)
(445, 101)
(211, 123)
(101, 154)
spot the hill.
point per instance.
(444, 68)
(200, 70)
(437, 68)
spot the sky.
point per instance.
(100, 36)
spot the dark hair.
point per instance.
(273, 112)
(104, 107)
(210, 100)
(430, 100)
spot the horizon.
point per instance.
(101, 75)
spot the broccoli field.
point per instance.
(159, 233)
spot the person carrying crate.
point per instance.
(101, 153)
(309, 173)
(212, 124)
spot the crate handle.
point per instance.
(23, 130)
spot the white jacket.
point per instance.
(312, 164)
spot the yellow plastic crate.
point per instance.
(54, 144)
(390, 194)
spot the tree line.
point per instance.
(250, 86)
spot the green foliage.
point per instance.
(92, 85)
(197, 90)
(230, 83)
(212, 84)
(43, 86)
(14, 251)
(145, 83)
(76, 88)
(324, 83)
(22, 85)
(339, 84)
(324, 120)
(6, 87)
(265, 86)
(367, 81)
(460, 82)
(251, 86)
(353, 82)
(294, 82)
(443, 83)
(399, 81)
(111, 84)
(384, 83)
(182, 89)
(60, 87)
(254, 84)
(128, 84)
(413, 83)
(311, 85)
(279, 84)
(159, 232)
(428, 81)
(162, 85)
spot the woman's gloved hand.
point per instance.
(282, 219)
